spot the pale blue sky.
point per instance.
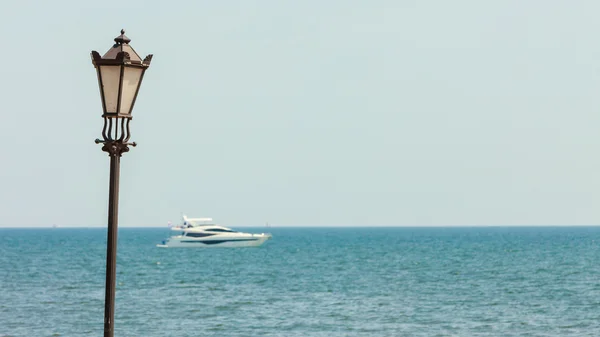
(412, 113)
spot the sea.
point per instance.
(446, 281)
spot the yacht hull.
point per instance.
(254, 240)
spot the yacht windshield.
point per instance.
(220, 230)
(198, 235)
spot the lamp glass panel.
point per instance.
(110, 84)
(131, 81)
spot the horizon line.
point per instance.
(312, 226)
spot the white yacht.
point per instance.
(202, 232)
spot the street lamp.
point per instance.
(120, 73)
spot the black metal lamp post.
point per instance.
(120, 73)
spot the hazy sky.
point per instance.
(318, 113)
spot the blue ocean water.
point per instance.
(307, 282)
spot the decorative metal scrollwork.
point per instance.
(115, 136)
